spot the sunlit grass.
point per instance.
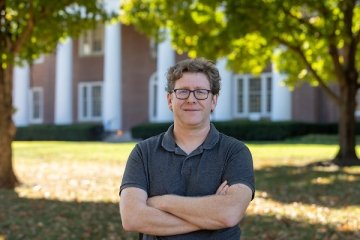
(75, 185)
(71, 151)
(290, 154)
(294, 201)
(70, 171)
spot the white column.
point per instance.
(281, 97)
(165, 59)
(112, 104)
(223, 110)
(21, 89)
(63, 83)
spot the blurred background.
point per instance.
(82, 81)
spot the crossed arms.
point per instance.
(171, 214)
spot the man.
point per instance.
(190, 182)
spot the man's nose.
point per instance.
(191, 97)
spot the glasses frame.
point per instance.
(191, 91)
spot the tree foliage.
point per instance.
(34, 27)
(311, 41)
(248, 32)
(29, 28)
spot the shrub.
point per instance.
(249, 130)
(146, 130)
(73, 132)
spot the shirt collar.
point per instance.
(168, 141)
(212, 138)
(169, 144)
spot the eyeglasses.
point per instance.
(199, 94)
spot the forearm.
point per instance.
(137, 216)
(208, 212)
(156, 222)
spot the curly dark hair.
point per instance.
(197, 65)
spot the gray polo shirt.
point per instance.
(158, 166)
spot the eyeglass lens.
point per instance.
(200, 94)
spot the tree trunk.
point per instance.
(346, 155)
(7, 130)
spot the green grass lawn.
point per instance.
(70, 191)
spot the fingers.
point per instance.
(222, 185)
(222, 189)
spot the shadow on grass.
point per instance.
(24, 218)
(271, 228)
(322, 186)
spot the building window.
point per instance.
(254, 95)
(240, 96)
(90, 101)
(357, 110)
(36, 105)
(268, 94)
(91, 42)
(153, 86)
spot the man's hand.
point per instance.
(223, 209)
(222, 190)
(155, 201)
(138, 216)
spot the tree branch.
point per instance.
(334, 53)
(2, 4)
(357, 40)
(297, 50)
(357, 37)
(350, 44)
(23, 37)
(348, 17)
(301, 21)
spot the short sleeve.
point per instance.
(135, 173)
(239, 167)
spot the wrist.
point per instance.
(158, 202)
(163, 202)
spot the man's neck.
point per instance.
(190, 138)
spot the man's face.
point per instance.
(191, 111)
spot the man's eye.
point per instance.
(201, 91)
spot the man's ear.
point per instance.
(214, 102)
(169, 100)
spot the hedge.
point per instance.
(73, 132)
(266, 130)
(249, 130)
(146, 130)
